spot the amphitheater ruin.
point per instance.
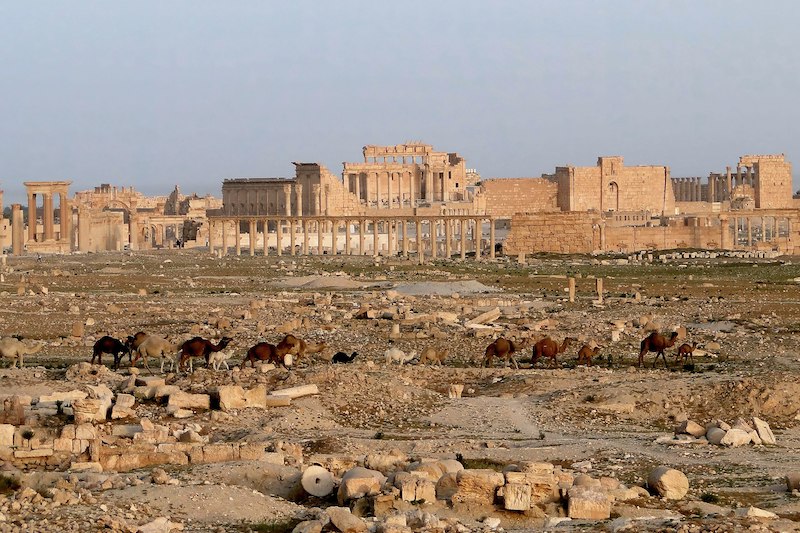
(409, 199)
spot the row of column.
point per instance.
(719, 187)
(687, 189)
(750, 230)
(431, 236)
(48, 218)
(373, 188)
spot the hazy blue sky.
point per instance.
(161, 93)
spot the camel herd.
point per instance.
(291, 349)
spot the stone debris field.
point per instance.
(389, 422)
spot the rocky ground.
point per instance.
(611, 420)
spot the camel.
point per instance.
(111, 346)
(15, 349)
(502, 349)
(685, 352)
(217, 358)
(298, 347)
(585, 354)
(433, 355)
(547, 347)
(154, 346)
(395, 354)
(264, 351)
(656, 342)
(200, 347)
(341, 357)
(132, 344)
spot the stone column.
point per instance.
(298, 191)
(463, 238)
(224, 237)
(712, 187)
(279, 236)
(491, 238)
(31, 216)
(347, 244)
(17, 230)
(84, 229)
(376, 244)
(420, 244)
(433, 224)
(749, 232)
(65, 217)
(399, 190)
(48, 217)
(361, 223)
(211, 227)
(237, 235)
(476, 238)
(448, 238)
(389, 238)
(738, 175)
(287, 200)
(315, 194)
(404, 230)
(411, 198)
(334, 243)
(292, 231)
(319, 237)
(774, 228)
(377, 190)
(358, 187)
(698, 190)
(305, 236)
(252, 232)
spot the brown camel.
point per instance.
(298, 347)
(547, 347)
(111, 346)
(200, 347)
(264, 351)
(656, 342)
(685, 352)
(585, 354)
(502, 349)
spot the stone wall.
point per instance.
(553, 232)
(509, 196)
(773, 179)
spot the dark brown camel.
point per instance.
(502, 349)
(656, 342)
(547, 347)
(111, 346)
(200, 347)
(264, 351)
(685, 352)
(585, 354)
(132, 344)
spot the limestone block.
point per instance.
(185, 400)
(65, 397)
(219, 453)
(68, 431)
(345, 521)
(85, 431)
(126, 430)
(478, 485)
(62, 445)
(235, 397)
(517, 497)
(84, 466)
(296, 392)
(86, 410)
(125, 400)
(162, 391)
(544, 486)
(755, 512)
(30, 454)
(252, 451)
(308, 526)
(689, 427)
(715, 435)
(385, 462)
(359, 482)
(668, 483)
(414, 488)
(6, 435)
(764, 431)
(588, 504)
(735, 437)
(427, 469)
(483, 318)
(149, 381)
(118, 412)
(447, 486)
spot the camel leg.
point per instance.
(226, 366)
(555, 362)
(514, 360)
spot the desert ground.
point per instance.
(604, 427)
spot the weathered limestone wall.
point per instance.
(773, 181)
(630, 239)
(553, 232)
(505, 197)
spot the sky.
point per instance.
(154, 94)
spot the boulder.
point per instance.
(235, 397)
(516, 496)
(735, 437)
(385, 462)
(588, 504)
(764, 431)
(478, 486)
(669, 483)
(345, 521)
(447, 486)
(359, 482)
(185, 400)
(689, 427)
(715, 435)
(414, 488)
(793, 481)
(308, 526)
(754, 512)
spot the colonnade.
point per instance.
(751, 230)
(717, 188)
(424, 236)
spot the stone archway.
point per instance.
(612, 197)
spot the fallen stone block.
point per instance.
(6, 435)
(755, 512)
(516, 496)
(185, 400)
(692, 428)
(764, 431)
(478, 486)
(715, 435)
(296, 392)
(735, 437)
(359, 482)
(588, 504)
(483, 318)
(669, 483)
(235, 397)
(345, 521)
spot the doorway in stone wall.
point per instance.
(612, 197)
